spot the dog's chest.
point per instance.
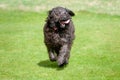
(57, 37)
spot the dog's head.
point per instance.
(59, 17)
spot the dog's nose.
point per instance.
(63, 18)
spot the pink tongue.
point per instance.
(66, 22)
(55, 28)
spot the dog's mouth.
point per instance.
(64, 22)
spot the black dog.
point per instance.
(59, 34)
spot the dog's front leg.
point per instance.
(62, 54)
(52, 56)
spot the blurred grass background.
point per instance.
(95, 54)
(98, 6)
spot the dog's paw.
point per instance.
(66, 61)
(60, 61)
(53, 59)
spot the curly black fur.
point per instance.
(59, 34)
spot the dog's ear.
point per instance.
(70, 12)
(49, 12)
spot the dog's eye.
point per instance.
(51, 17)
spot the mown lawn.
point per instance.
(95, 54)
(97, 6)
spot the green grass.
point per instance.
(95, 54)
(98, 6)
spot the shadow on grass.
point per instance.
(49, 64)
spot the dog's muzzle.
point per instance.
(64, 22)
